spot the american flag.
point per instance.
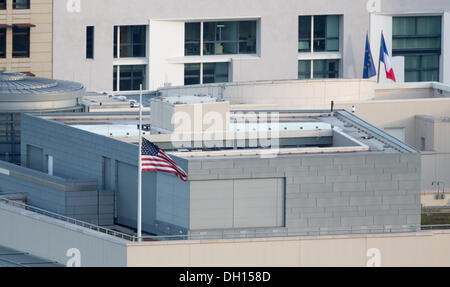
(155, 159)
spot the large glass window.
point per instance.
(326, 69)
(192, 39)
(191, 74)
(212, 73)
(129, 78)
(422, 68)
(131, 41)
(322, 69)
(90, 42)
(2, 4)
(21, 4)
(325, 36)
(21, 42)
(304, 70)
(3, 43)
(219, 38)
(215, 73)
(419, 40)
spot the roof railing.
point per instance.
(225, 234)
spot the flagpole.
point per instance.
(379, 58)
(139, 208)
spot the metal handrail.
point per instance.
(69, 219)
(223, 234)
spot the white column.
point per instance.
(50, 165)
(445, 53)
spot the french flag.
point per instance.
(384, 57)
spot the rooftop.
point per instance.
(14, 258)
(292, 132)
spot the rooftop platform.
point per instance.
(297, 132)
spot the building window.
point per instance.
(21, 42)
(419, 40)
(3, 43)
(304, 70)
(192, 39)
(326, 69)
(206, 73)
(322, 31)
(131, 41)
(321, 69)
(215, 73)
(192, 74)
(90, 42)
(2, 4)
(221, 38)
(129, 78)
(21, 4)
(422, 68)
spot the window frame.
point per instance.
(3, 43)
(420, 70)
(20, 5)
(117, 77)
(202, 75)
(313, 73)
(204, 43)
(118, 45)
(26, 31)
(90, 42)
(417, 51)
(312, 38)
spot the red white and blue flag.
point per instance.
(155, 159)
(384, 57)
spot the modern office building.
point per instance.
(26, 36)
(172, 43)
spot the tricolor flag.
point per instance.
(155, 159)
(384, 57)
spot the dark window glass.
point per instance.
(2, 43)
(215, 73)
(423, 68)
(416, 35)
(90, 42)
(229, 37)
(326, 69)
(192, 39)
(21, 4)
(304, 70)
(132, 41)
(419, 40)
(116, 30)
(304, 34)
(115, 78)
(21, 42)
(2, 4)
(247, 37)
(191, 74)
(325, 36)
(326, 33)
(130, 78)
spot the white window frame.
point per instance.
(312, 56)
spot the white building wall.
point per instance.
(277, 54)
(276, 57)
(166, 42)
(445, 56)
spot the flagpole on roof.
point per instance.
(139, 208)
(379, 57)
